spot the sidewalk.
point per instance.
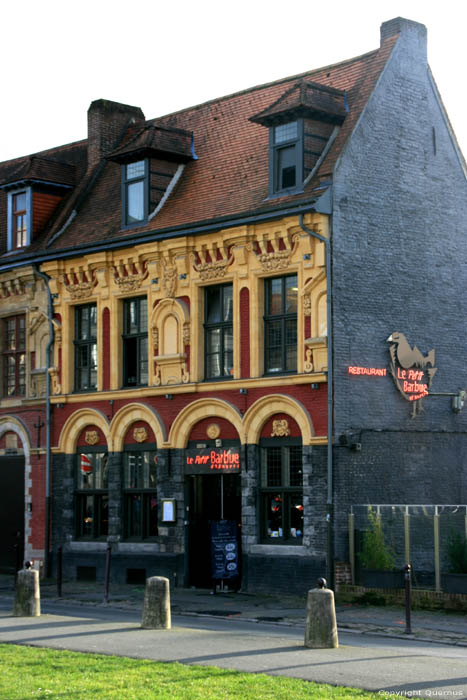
(436, 626)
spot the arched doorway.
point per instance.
(12, 496)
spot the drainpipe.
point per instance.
(330, 500)
(47, 567)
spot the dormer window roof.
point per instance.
(40, 171)
(305, 99)
(175, 145)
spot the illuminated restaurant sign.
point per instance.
(411, 371)
(212, 461)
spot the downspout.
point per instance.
(48, 503)
(330, 500)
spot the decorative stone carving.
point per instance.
(54, 376)
(186, 333)
(213, 431)
(91, 437)
(170, 329)
(12, 287)
(155, 338)
(307, 305)
(129, 276)
(79, 285)
(275, 253)
(211, 264)
(308, 366)
(169, 277)
(140, 434)
(280, 428)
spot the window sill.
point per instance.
(279, 549)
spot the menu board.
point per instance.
(224, 549)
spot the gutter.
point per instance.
(133, 240)
(326, 208)
(48, 412)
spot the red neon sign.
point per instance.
(369, 371)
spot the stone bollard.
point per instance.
(321, 626)
(156, 605)
(27, 594)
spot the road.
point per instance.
(396, 666)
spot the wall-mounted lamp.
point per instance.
(315, 386)
(244, 391)
(59, 405)
(458, 401)
(169, 396)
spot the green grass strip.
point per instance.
(32, 672)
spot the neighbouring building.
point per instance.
(211, 322)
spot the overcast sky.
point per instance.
(58, 56)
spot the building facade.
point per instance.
(222, 305)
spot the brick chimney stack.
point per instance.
(107, 121)
(406, 27)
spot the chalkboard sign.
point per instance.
(224, 549)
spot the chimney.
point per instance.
(399, 25)
(107, 122)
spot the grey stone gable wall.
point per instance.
(399, 249)
(399, 263)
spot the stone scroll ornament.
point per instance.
(412, 371)
(280, 428)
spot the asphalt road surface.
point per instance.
(394, 667)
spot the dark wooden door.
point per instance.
(11, 513)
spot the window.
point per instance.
(140, 495)
(282, 494)
(135, 192)
(135, 342)
(92, 501)
(86, 348)
(19, 218)
(280, 324)
(218, 332)
(286, 154)
(14, 356)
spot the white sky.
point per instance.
(58, 56)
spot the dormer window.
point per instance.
(19, 224)
(287, 157)
(135, 192)
(19, 218)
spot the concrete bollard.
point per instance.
(156, 605)
(321, 625)
(27, 594)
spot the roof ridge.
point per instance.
(12, 161)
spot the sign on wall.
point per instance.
(411, 370)
(212, 461)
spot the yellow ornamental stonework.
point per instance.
(168, 272)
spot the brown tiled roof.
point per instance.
(230, 177)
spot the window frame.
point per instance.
(99, 497)
(138, 337)
(285, 490)
(12, 241)
(147, 493)
(275, 190)
(18, 354)
(223, 326)
(125, 186)
(88, 343)
(284, 317)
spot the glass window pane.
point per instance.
(103, 524)
(228, 303)
(296, 514)
(295, 466)
(86, 512)
(152, 516)
(213, 366)
(213, 340)
(143, 314)
(134, 514)
(273, 466)
(213, 304)
(135, 202)
(291, 294)
(286, 167)
(134, 170)
(274, 296)
(285, 132)
(274, 515)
